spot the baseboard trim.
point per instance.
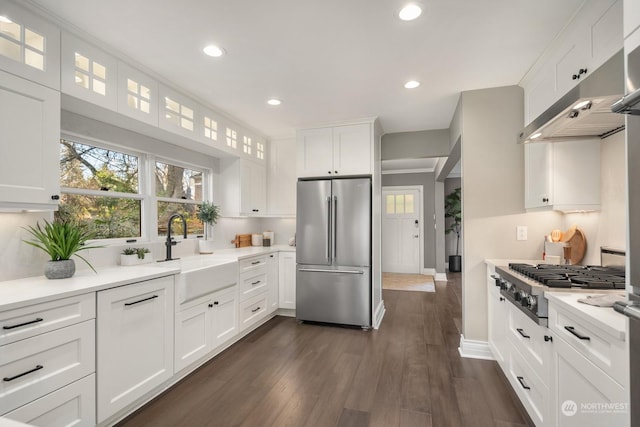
(378, 315)
(473, 349)
(441, 277)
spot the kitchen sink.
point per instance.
(201, 275)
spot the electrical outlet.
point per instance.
(521, 232)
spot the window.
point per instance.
(210, 128)
(246, 144)
(260, 150)
(178, 190)
(399, 204)
(232, 138)
(90, 74)
(138, 96)
(100, 190)
(178, 114)
(21, 44)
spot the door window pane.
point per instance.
(391, 204)
(399, 204)
(408, 203)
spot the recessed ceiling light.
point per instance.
(274, 102)
(536, 135)
(5, 20)
(411, 84)
(213, 50)
(581, 104)
(410, 12)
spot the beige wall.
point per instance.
(414, 145)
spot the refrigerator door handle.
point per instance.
(318, 270)
(335, 228)
(329, 230)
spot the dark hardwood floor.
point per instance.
(407, 373)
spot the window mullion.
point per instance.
(150, 210)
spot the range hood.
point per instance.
(585, 111)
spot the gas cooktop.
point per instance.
(573, 276)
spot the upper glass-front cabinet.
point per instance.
(88, 73)
(178, 114)
(137, 95)
(29, 46)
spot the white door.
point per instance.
(401, 231)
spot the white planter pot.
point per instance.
(127, 260)
(205, 246)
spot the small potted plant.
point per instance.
(60, 240)
(134, 256)
(208, 213)
(453, 210)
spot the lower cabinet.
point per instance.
(287, 280)
(498, 313)
(204, 325)
(134, 342)
(72, 405)
(252, 310)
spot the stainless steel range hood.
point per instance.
(585, 111)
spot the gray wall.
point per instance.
(427, 180)
(415, 145)
(451, 184)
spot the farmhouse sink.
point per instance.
(201, 275)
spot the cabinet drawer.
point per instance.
(252, 285)
(253, 265)
(36, 319)
(39, 365)
(72, 405)
(601, 349)
(532, 392)
(529, 338)
(253, 310)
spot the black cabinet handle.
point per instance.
(329, 172)
(255, 309)
(55, 197)
(521, 332)
(255, 262)
(575, 77)
(215, 303)
(523, 384)
(37, 368)
(23, 324)
(545, 200)
(256, 282)
(501, 298)
(582, 71)
(335, 172)
(210, 305)
(577, 334)
(548, 338)
(139, 301)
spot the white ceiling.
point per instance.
(328, 60)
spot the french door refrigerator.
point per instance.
(333, 251)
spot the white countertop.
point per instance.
(605, 318)
(33, 290)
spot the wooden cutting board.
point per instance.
(578, 245)
(242, 240)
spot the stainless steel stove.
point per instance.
(524, 284)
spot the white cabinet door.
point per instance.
(631, 16)
(225, 316)
(137, 95)
(30, 46)
(315, 152)
(607, 34)
(540, 94)
(352, 150)
(272, 282)
(281, 177)
(135, 342)
(287, 279)
(498, 311)
(30, 161)
(193, 334)
(538, 176)
(254, 188)
(177, 113)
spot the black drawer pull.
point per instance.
(37, 368)
(501, 299)
(256, 282)
(521, 332)
(255, 262)
(23, 324)
(523, 384)
(577, 334)
(255, 309)
(548, 338)
(139, 301)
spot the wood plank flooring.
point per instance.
(408, 373)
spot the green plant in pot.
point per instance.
(209, 214)
(453, 210)
(60, 240)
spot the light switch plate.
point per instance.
(521, 232)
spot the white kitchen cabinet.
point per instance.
(281, 177)
(72, 405)
(563, 176)
(244, 187)
(530, 388)
(225, 316)
(29, 46)
(178, 114)
(498, 312)
(138, 95)
(631, 16)
(336, 151)
(135, 333)
(253, 310)
(593, 37)
(88, 73)
(272, 281)
(30, 123)
(287, 279)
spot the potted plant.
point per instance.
(134, 256)
(208, 213)
(60, 240)
(453, 210)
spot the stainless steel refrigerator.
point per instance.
(333, 251)
(630, 105)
